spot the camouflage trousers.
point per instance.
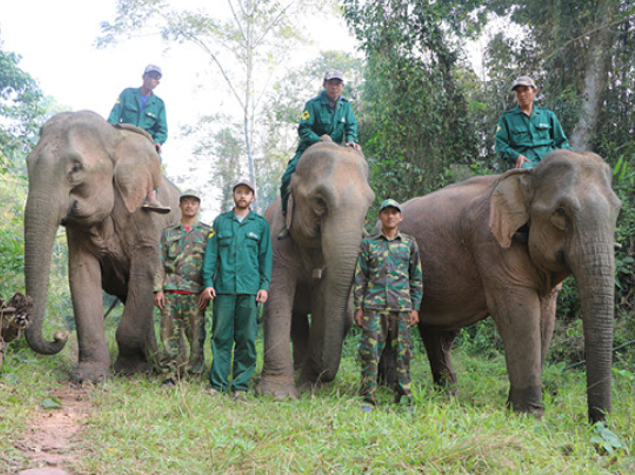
(378, 325)
(181, 314)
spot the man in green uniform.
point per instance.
(527, 133)
(326, 118)
(387, 294)
(141, 107)
(236, 275)
(177, 286)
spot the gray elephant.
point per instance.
(92, 177)
(499, 246)
(313, 270)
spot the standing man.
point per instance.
(178, 284)
(527, 133)
(387, 292)
(326, 118)
(236, 275)
(141, 107)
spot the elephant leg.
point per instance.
(548, 320)
(85, 285)
(386, 369)
(300, 332)
(518, 321)
(438, 345)
(277, 377)
(135, 333)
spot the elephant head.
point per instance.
(571, 211)
(79, 170)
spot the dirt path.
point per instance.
(49, 439)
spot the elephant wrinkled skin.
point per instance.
(92, 178)
(313, 270)
(478, 260)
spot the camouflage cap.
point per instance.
(333, 74)
(190, 194)
(523, 81)
(390, 203)
(152, 68)
(245, 182)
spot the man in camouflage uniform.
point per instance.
(387, 291)
(178, 283)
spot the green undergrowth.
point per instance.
(138, 427)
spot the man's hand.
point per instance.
(262, 296)
(356, 146)
(359, 317)
(159, 299)
(414, 318)
(208, 294)
(326, 138)
(520, 160)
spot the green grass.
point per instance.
(137, 427)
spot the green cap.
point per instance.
(388, 204)
(191, 194)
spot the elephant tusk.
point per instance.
(617, 246)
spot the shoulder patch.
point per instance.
(498, 128)
(305, 114)
(211, 233)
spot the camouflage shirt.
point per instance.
(181, 258)
(388, 274)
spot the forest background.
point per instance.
(427, 115)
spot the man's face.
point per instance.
(525, 95)
(390, 218)
(333, 88)
(243, 196)
(151, 80)
(189, 206)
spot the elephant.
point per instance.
(92, 177)
(499, 246)
(313, 269)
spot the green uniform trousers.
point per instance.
(286, 181)
(234, 326)
(377, 325)
(181, 314)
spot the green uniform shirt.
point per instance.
(151, 118)
(320, 118)
(238, 256)
(533, 136)
(181, 257)
(388, 274)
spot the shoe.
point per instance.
(212, 392)
(167, 383)
(154, 205)
(400, 397)
(370, 400)
(283, 234)
(240, 396)
(367, 408)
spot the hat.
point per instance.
(523, 81)
(152, 68)
(390, 203)
(190, 194)
(333, 74)
(245, 182)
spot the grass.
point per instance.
(137, 427)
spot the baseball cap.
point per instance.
(523, 81)
(333, 74)
(190, 194)
(245, 182)
(152, 68)
(389, 203)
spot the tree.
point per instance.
(245, 49)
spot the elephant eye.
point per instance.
(76, 168)
(559, 219)
(320, 205)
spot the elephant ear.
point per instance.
(509, 205)
(137, 168)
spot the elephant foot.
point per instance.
(278, 387)
(129, 365)
(90, 373)
(526, 400)
(446, 382)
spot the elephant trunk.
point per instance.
(40, 227)
(332, 321)
(594, 271)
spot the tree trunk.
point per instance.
(595, 82)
